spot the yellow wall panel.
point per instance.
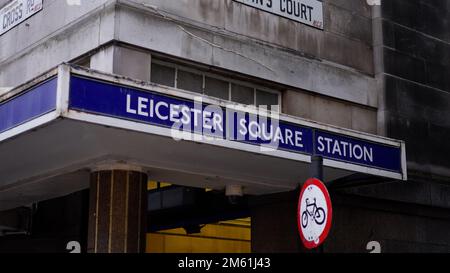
(188, 244)
(225, 237)
(155, 243)
(217, 231)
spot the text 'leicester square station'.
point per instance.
(224, 126)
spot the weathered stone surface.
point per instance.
(417, 87)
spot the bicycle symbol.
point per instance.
(314, 212)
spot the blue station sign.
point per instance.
(28, 105)
(163, 110)
(73, 94)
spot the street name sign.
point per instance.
(309, 12)
(16, 12)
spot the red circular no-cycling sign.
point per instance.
(314, 213)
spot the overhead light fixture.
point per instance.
(234, 193)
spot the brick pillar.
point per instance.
(117, 211)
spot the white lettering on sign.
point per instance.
(344, 149)
(270, 133)
(16, 12)
(211, 119)
(309, 12)
(161, 110)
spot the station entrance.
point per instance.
(178, 220)
(195, 220)
(84, 147)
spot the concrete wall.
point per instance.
(336, 62)
(257, 44)
(398, 227)
(330, 111)
(413, 46)
(58, 33)
(347, 28)
(416, 80)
